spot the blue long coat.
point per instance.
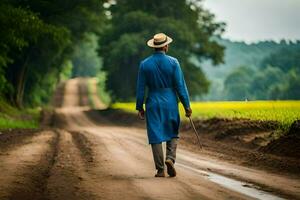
(163, 77)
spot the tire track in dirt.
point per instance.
(126, 171)
(109, 182)
(69, 178)
(48, 165)
(26, 167)
(84, 146)
(10, 139)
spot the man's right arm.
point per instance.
(181, 89)
(140, 92)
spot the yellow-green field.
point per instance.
(283, 111)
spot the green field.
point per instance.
(284, 112)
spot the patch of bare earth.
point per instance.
(245, 142)
(25, 160)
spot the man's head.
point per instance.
(160, 42)
(164, 48)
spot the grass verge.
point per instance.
(103, 94)
(13, 118)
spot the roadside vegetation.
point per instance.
(41, 44)
(11, 117)
(103, 94)
(44, 43)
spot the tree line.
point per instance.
(44, 42)
(265, 70)
(276, 77)
(37, 42)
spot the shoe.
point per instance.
(160, 173)
(170, 168)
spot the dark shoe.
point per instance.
(160, 173)
(170, 168)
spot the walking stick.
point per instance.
(196, 133)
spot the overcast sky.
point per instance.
(254, 20)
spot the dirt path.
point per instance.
(81, 159)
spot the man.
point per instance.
(163, 77)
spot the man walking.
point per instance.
(163, 77)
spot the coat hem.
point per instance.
(164, 140)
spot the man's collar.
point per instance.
(159, 52)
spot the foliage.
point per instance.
(103, 94)
(256, 56)
(237, 84)
(123, 44)
(10, 117)
(37, 40)
(66, 72)
(290, 90)
(86, 62)
(287, 58)
(266, 84)
(20, 29)
(275, 77)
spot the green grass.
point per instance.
(17, 124)
(103, 94)
(285, 112)
(89, 85)
(13, 118)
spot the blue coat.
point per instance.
(163, 77)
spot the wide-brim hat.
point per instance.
(159, 40)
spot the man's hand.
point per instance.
(188, 112)
(141, 114)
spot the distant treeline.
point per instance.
(39, 42)
(260, 71)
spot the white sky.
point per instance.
(254, 20)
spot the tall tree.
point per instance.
(133, 22)
(86, 61)
(38, 38)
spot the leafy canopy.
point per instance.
(133, 22)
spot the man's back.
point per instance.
(159, 71)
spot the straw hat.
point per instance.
(159, 40)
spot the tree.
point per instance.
(237, 84)
(264, 82)
(286, 58)
(291, 90)
(133, 22)
(37, 38)
(85, 59)
(22, 32)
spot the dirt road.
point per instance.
(80, 158)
